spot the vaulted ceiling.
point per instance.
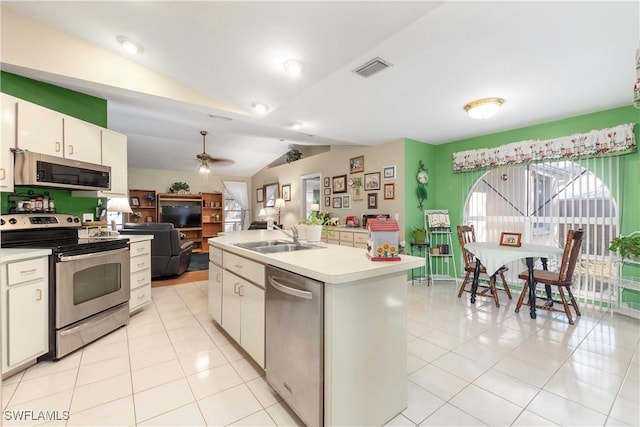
(203, 64)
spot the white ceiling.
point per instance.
(548, 60)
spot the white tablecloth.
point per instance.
(493, 255)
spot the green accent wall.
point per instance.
(65, 101)
(447, 189)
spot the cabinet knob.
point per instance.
(235, 287)
(57, 147)
(241, 291)
(3, 174)
(70, 149)
(38, 294)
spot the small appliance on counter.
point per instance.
(352, 221)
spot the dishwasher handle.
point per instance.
(288, 290)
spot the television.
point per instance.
(181, 216)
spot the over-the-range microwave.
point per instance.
(42, 170)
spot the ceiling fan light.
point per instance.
(204, 168)
(294, 68)
(483, 108)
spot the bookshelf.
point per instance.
(143, 203)
(212, 216)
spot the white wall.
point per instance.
(161, 180)
(334, 163)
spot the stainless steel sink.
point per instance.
(276, 246)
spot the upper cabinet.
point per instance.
(7, 141)
(114, 154)
(46, 131)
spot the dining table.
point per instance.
(493, 256)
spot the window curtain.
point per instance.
(604, 142)
(241, 196)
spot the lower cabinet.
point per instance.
(140, 265)
(243, 314)
(236, 297)
(24, 296)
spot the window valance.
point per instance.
(612, 141)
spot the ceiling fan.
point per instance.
(206, 158)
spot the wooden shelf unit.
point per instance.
(147, 208)
(212, 223)
(212, 216)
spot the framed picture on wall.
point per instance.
(372, 181)
(327, 191)
(135, 201)
(337, 202)
(389, 191)
(389, 172)
(372, 200)
(356, 164)
(327, 201)
(340, 184)
(327, 181)
(286, 192)
(259, 195)
(346, 202)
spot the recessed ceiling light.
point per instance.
(294, 68)
(296, 125)
(129, 46)
(483, 108)
(260, 108)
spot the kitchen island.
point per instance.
(364, 322)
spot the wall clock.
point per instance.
(423, 180)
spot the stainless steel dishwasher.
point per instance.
(294, 342)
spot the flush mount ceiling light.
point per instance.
(205, 158)
(259, 107)
(294, 68)
(296, 125)
(483, 108)
(129, 46)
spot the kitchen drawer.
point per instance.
(360, 238)
(346, 236)
(140, 278)
(215, 255)
(139, 248)
(25, 271)
(139, 263)
(243, 267)
(139, 297)
(333, 241)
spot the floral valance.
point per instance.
(613, 141)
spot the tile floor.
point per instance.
(467, 365)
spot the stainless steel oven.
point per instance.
(88, 278)
(89, 284)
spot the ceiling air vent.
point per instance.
(372, 67)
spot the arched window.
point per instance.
(543, 201)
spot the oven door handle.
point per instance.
(64, 258)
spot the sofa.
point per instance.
(169, 255)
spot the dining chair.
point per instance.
(562, 279)
(467, 234)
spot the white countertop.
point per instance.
(16, 254)
(331, 264)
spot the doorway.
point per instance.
(310, 185)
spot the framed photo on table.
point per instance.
(510, 239)
(135, 201)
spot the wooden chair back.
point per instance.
(570, 255)
(466, 234)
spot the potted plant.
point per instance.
(179, 187)
(419, 235)
(627, 246)
(293, 154)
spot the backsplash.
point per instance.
(64, 201)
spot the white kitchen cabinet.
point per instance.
(140, 270)
(243, 314)
(49, 132)
(241, 305)
(39, 129)
(24, 295)
(114, 154)
(81, 140)
(215, 284)
(7, 141)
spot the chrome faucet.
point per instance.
(295, 236)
